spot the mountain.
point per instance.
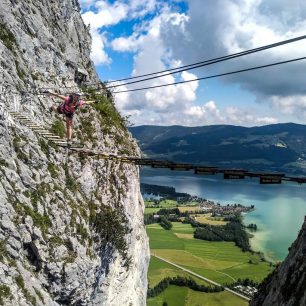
(71, 226)
(277, 147)
(286, 286)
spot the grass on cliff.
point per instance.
(106, 109)
(3, 251)
(58, 128)
(5, 293)
(28, 296)
(7, 37)
(111, 228)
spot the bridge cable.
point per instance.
(188, 67)
(212, 76)
(206, 62)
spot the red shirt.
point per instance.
(70, 107)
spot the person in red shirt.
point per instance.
(67, 108)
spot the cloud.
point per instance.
(223, 27)
(101, 14)
(164, 37)
(107, 14)
(154, 51)
(98, 54)
(292, 105)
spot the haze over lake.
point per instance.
(279, 213)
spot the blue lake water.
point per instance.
(279, 209)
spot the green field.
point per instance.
(159, 269)
(192, 206)
(222, 262)
(162, 204)
(182, 296)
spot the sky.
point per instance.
(135, 37)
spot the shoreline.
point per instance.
(257, 240)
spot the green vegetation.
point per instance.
(18, 149)
(58, 128)
(233, 231)
(40, 296)
(106, 108)
(21, 73)
(38, 194)
(163, 191)
(5, 293)
(41, 221)
(159, 269)
(165, 223)
(3, 251)
(222, 262)
(111, 227)
(53, 170)
(28, 296)
(155, 206)
(71, 183)
(44, 146)
(182, 296)
(7, 37)
(181, 282)
(3, 163)
(82, 232)
(208, 219)
(87, 128)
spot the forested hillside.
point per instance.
(279, 147)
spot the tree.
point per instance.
(165, 223)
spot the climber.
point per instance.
(67, 108)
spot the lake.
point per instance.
(279, 209)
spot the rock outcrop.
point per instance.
(286, 286)
(71, 227)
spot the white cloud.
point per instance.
(104, 14)
(223, 27)
(292, 105)
(98, 55)
(208, 29)
(107, 14)
(266, 120)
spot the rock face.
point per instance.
(286, 286)
(71, 226)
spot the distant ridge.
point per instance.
(275, 147)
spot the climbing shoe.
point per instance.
(50, 109)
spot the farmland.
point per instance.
(222, 262)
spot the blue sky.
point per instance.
(133, 37)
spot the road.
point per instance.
(202, 277)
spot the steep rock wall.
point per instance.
(286, 286)
(71, 227)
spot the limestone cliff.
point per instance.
(286, 286)
(71, 227)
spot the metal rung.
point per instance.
(45, 133)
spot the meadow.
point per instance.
(222, 262)
(182, 296)
(190, 206)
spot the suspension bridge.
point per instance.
(228, 174)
